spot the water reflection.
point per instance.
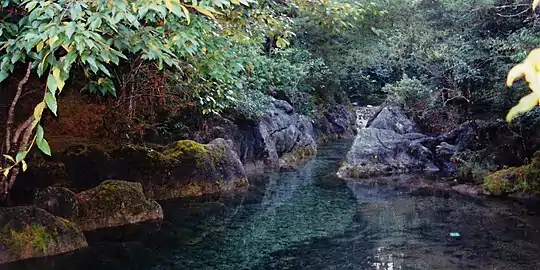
(310, 219)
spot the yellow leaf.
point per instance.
(169, 5)
(515, 73)
(235, 2)
(38, 110)
(6, 172)
(52, 40)
(39, 46)
(525, 104)
(24, 165)
(204, 11)
(59, 82)
(186, 12)
(8, 157)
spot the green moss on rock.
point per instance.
(115, 203)
(525, 179)
(28, 232)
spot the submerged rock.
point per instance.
(30, 232)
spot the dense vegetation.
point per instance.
(141, 62)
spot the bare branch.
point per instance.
(11, 113)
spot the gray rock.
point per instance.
(30, 232)
(382, 152)
(337, 123)
(392, 118)
(286, 138)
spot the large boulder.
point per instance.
(336, 123)
(393, 118)
(113, 203)
(186, 168)
(30, 232)
(378, 152)
(287, 137)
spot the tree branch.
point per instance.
(11, 112)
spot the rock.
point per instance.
(337, 123)
(287, 139)
(30, 232)
(115, 203)
(186, 168)
(470, 190)
(365, 114)
(58, 201)
(392, 118)
(381, 152)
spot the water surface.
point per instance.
(309, 219)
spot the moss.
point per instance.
(30, 239)
(525, 178)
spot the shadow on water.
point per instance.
(310, 219)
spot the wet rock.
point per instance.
(393, 118)
(115, 203)
(30, 232)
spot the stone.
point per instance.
(115, 203)
(186, 168)
(58, 201)
(382, 152)
(393, 118)
(336, 123)
(30, 232)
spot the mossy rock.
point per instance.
(185, 169)
(522, 179)
(30, 232)
(297, 157)
(115, 203)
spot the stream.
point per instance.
(310, 219)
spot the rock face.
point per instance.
(337, 123)
(30, 232)
(287, 138)
(111, 204)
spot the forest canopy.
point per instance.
(142, 62)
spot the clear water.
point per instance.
(309, 219)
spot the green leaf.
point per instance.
(50, 99)
(51, 84)
(70, 29)
(44, 147)
(20, 156)
(39, 134)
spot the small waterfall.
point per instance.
(364, 114)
